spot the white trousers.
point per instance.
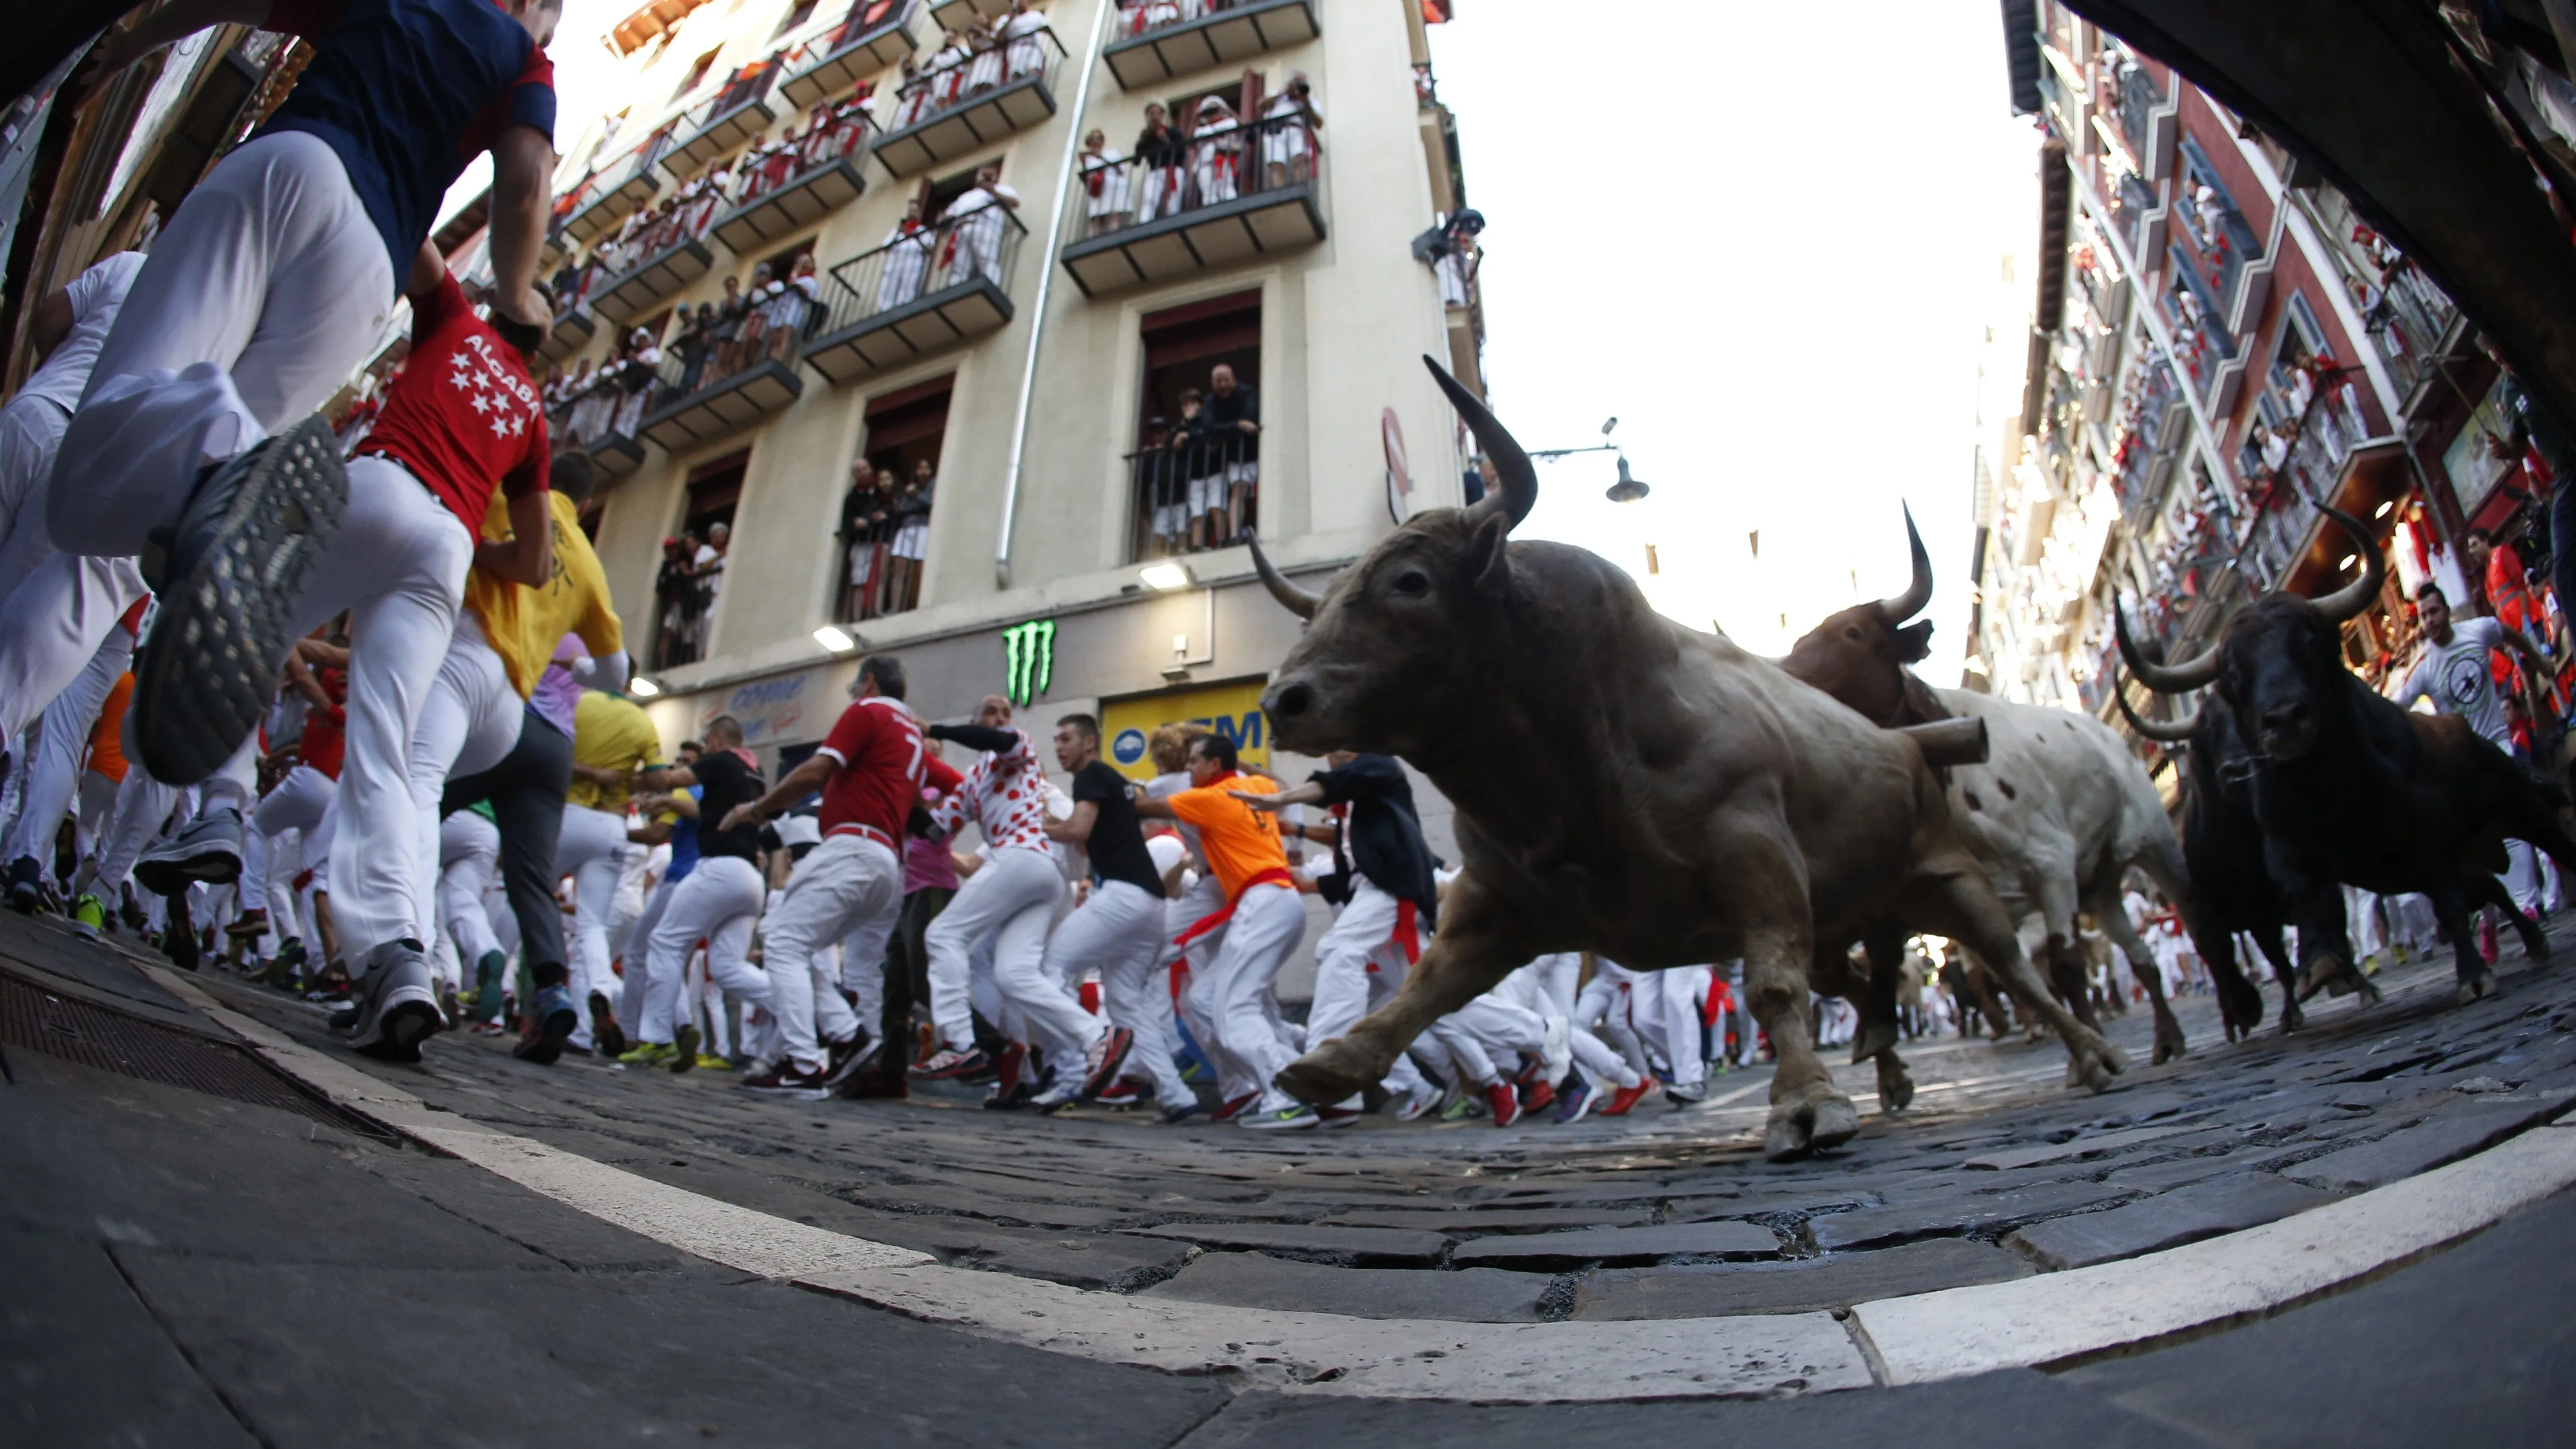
(31, 430)
(143, 806)
(1474, 1033)
(1012, 899)
(62, 612)
(53, 767)
(469, 856)
(1119, 933)
(845, 882)
(468, 723)
(301, 805)
(630, 1006)
(1359, 966)
(718, 903)
(1269, 921)
(1665, 1008)
(271, 272)
(592, 850)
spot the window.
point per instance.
(1196, 469)
(697, 73)
(885, 511)
(692, 572)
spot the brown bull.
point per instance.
(1623, 784)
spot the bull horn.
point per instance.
(2180, 678)
(1292, 598)
(2171, 732)
(2354, 597)
(1918, 593)
(1518, 493)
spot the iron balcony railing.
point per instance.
(881, 556)
(847, 53)
(722, 121)
(960, 81)
(1161, 40)
(1220, 160)
(1196, 489)
(771, 330)
(960, 251)
(609, 406)
(2407, 320)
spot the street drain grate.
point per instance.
(109, 1041)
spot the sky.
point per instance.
(1767, 239)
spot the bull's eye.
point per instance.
(1851, 632)
(1411, 584)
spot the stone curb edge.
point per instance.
(2044, 1321)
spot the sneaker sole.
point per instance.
(400, 1029)
(685, 1045)
(552, 1035)
(792, 1094)
(209, 668)
(1106, 1074)
(172, 874)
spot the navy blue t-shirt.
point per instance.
(408, 92)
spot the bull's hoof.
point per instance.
(2240, 1002)
(2317, 975)
(1872, 1038)
(2093, 1061)
(2293, 1017)
(1895, 1084)
(1330, 1073)
(2169, 1041)
(1813, 1118)
(2477, 986)
(2535, 946)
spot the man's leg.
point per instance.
(845, 880)
(640, 984)
(54, 623)
(526, 791)
(593, 853)
(53, 769)
(721, 892)
(1268, 923)
(991, 896)
(1054, 1017)
(1118, 932)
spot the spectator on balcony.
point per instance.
(750, 339)
(708, 568)
(1018, 34)
(911, 95)
(793, 309)
(675, 590)
(984, 68)
(1158, 488)
(863, 518)
(700, 200)
(637, 377)
(911, 538)
(1289, 123)
(1198, 475)
(1216, 153)
(946, 75)
(1105, 179)
(1161, 155)
(978, 220)
(1454, 252)
(697, 342)
(1234, 417)
(907, 251)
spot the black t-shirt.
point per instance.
(729, 782)
(1117, 846)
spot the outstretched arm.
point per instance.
(1309, 793)
(523, 164)
(816, 772)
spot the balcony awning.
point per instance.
(1221, 37)
(616, 456)
(653, 282)
(725, 406)
(803, 201)
(955, 14)
(1281, 219)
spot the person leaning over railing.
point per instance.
(1018, 34)
(863, 513)
(979, 218)
(1289, 123)
(906, 258)
(1162, 153)
(1106, 184)
(793, 309)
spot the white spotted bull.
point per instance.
(1626, 785)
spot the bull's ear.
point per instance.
(1489, 553)
(1914, 641)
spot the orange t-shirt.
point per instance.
(107, 737)
(1238, 841)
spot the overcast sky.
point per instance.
(1766, 237)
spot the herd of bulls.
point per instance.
(1627, 785)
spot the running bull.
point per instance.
(2347, 788)
(1623, 784)
(2057, 813)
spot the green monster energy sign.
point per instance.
(1028, 659)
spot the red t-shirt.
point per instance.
(463, 415)
(325, 730)
(883, 764)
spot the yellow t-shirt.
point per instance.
(522, 624)
(609, 733)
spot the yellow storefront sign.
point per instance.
(1232, 710)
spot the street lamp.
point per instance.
(1628, 489)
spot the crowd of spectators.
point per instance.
(885, 536)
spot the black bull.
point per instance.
(2346, 788)
(1626, 785)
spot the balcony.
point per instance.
(770, 213)
(1191, 494)
(937, 288)
(958, 14)
(964, 106)
(1220, 37)
(653, 281)
(601, 422)
(1241, 192)
(612, 201)
(724, 121)
(860, 48)
(712, 408)
(572, 332)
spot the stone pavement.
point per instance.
(197, 1262)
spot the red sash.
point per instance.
(1408, 934)
(1275, 875)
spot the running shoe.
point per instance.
(1540, 1096)
(1062, 1090)
(556, 1020)
(949, 1064)
(1279, 1119)
(488, 990)
(208, 850)
(450, 1010)
(1009, 1068)
(250, 925)
(1462, 1106)
(89, 916)
(1505, 1102)
(1339, 1116)
(397, 1004)
(1125, 1092)
(1576, 1101)
(1009, 1094)
(1421, 1099)
(647, 1055)
(227, 576)
(784, 1080)
(710, 1062)
(1227, 1112)
(684, 1048)
(1627, 1097)
(26, 885)
(330, 985)
(1180, 1111)
(842, 1059)
(1682, 1097)
(604, 1031)
(1107, 1055)
(281, 970)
